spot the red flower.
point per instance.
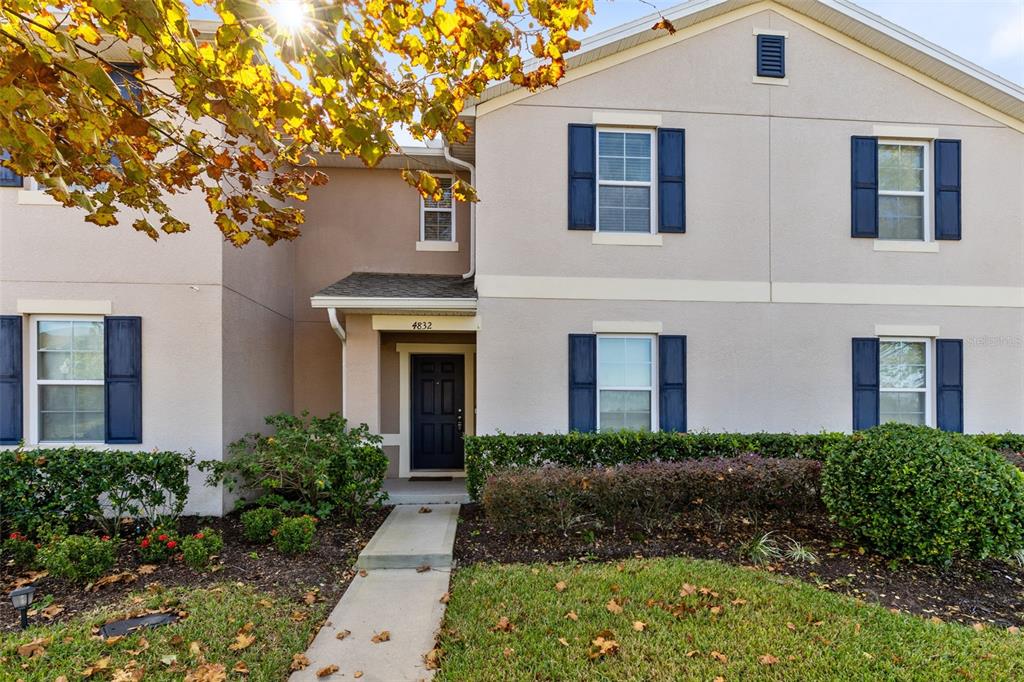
(199, 536)
(172, 544)
(105, 538)
(145, 543)
(162, 538)
(14, 536)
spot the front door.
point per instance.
(438, 411)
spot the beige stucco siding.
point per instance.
(751, 367)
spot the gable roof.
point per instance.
(840, 15)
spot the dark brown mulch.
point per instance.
(969, 592)
(326, 567)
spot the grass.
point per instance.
(764, 627)
(281, 628)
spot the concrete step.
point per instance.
(405, 603)
(409, 538)
(402, 491)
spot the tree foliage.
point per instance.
(240, 110)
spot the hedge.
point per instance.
(75, 485)
(648, 495)
(486, 454)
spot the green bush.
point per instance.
(18, 549)
(917, 493)
(648, 495)
(319, 465)
(295, 535)
(78, 485)
(78, 558)
(198, 549)
(259, 523)
(159, 545)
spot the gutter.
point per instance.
(472, 208)
(332, 315)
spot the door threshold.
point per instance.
(430, 478)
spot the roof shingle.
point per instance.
(394, 285)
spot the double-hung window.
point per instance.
(68, 380)
(625, 383)
(904, 378)
(625, 190)
(437, 218)
(903, 190)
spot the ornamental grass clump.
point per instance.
(912, 492)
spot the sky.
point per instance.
(989, 33)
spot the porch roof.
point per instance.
(398, 291)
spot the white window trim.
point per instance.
(652, 183)
(423, 210)
(35, 382)
(653, 388)
(929, 382)
(927, 228)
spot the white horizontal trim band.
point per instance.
(436, 246)
(444, 323)
(626, 327)
(904, 132)
(930, 331)
(906, 246)
(629, 289)
(63, 307)
(770, 32)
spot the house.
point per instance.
(784, 216)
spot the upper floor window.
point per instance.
(9, 178)
(68, 380)
(437, 218)
(903, 381)
(625, 168)
(902, 190)
(625, 383)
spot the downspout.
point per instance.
(332, 315)
(472, 208)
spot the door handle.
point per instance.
(458, 422)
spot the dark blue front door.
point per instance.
(438, 411)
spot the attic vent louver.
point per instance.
(771, 56)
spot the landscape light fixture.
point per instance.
(21, 599)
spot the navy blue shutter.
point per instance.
(123, 379)
(582, 382)
(771, 56)
(865, 383)
(672, 383)
(947, 189)
(864, 187)
(949, 384)
(582, 177)
(671, 180)
(11, 393)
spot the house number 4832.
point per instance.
(422, 325)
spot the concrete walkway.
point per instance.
(404, 599)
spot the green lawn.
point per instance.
(764, 627)
(280, 628)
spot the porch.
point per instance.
(408, 370)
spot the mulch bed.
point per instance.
(969, 592)
(327, 567)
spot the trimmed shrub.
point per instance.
(74, 486)
(259, 523)
(316, 465)
(486, 454)
(19, 549)
(649, 494)
(295, 535)
(913, 492)
(159, 545)
(198, 549)
(78, 558)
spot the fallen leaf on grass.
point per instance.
(126, 577)
(719, 678)
(687, 589)
(563, 641)
(978, 627)
(143, 645)
(241, 668)
(342, 634)
(719, 656)
(613, 606)
(146, 569)
(715, 610)
(382, 636)
(445, 597)
(767, 659)
(208, 672)
(432, 659)
(130, 673)
(738, 602)
(309, 597)
(503, 625)
(170, 659)
(37, 647)
(603, 645)
(791, 627)
(243, 640)
(560, 586)
(99, 666)
(327, 670)
(51, 611)
(572, 616)
(508, 652)
(1013, 630)
(299, 661)
(639, 625)
(298, 616)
